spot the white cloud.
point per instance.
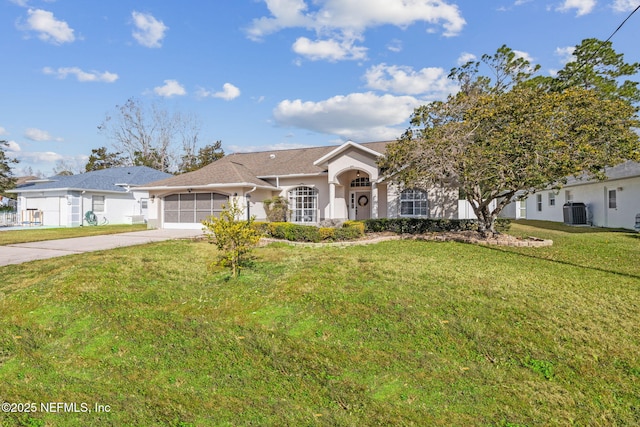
(338, 23)
(23, 3)
(358, 116)
(624, 5)
(356, 15)
(466, 57)
(523, 55)
(395, 45)
(3, 131)
(331, 50)
(49, 29)
(228, 93)
(565, 54)
(286, 14)
(150, 31)
(82, 76)
(38, 156)
(583, 7)
(39, 135)
(170, 88)
(431, 82)
(13, 146)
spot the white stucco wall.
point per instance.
(353, 160)
(443, 202)
(56, 206)
(596, 196)
(318, 182)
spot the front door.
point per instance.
(360, 206)
(74, 210)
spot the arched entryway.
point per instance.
(360, 197)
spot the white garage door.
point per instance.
(192, 208)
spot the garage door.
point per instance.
(190, 208)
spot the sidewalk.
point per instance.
(24, 252)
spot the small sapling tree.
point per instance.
(233, 236)
(276, 208)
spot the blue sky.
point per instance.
(263, 74)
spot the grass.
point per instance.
(397, 333)
(42, 234)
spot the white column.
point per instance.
(332, 200)
(374, 200)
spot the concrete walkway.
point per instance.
(24, 252)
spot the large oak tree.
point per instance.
(509, 134)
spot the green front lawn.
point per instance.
(26, 235)
(396, 333)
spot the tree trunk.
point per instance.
(486, 219)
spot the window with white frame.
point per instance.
(304, 204)
(613, 202)
(539, 202)
(522, 207)
(414, 202)
(568, 197)
(552, 199)
(97, 203)
(362, 181)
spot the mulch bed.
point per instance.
(478, 239)
(458, 236)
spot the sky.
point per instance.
(264, 74)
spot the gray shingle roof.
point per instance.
(100, 180)
(239, 168)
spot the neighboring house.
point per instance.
(321, 183)
(63, 200)
(614, 202)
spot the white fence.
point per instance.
(8, 218)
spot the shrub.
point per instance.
(293, 232)
(427, 225)
(276, 208)
(310, 233)
(233, 238)
(326, 233)
(358, 225)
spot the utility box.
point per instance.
(575, 213)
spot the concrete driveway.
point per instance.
(24, 252)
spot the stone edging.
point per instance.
(503, 240)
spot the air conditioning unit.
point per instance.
(575, 213)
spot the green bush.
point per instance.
(308, 233)
(326, 233)
(293, 232)
(427, 225)
(348, 233)
(358, 225)
(232, 237)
